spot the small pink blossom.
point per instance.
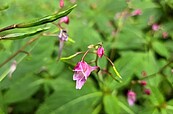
(81, 72)
(63, 36)
(155, 27)
(143, 82)
(164, 34)
(131, 97)
(147, 91)
(64, 20)
(100, 51)
(137, 12)
(61, 3)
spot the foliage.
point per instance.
(42, 85)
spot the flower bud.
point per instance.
(143, 82)
(147, 91)
(61, 3)
(164, 34)
(64, 20)
(136, 12)
(144, 73)
(100, 51)
(155, 27)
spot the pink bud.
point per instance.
(131, 97)
(64, 20)
(61, 3)
(164, 34)
(155, 27)
(143, 82)
(136, 12)
(147, 91)
(100, 51)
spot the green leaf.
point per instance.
(66, 99)
(156, 96)
(22, 89)
(46, 19)
(160, 49)
(40, 21)
(111, 105)
(126, 108)
(16, 36)
(1, 111)
(4, 7)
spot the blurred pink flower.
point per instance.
(131, 97)
(147, 91)
(155, 27)
(64, 20)
(100, 51)
(63, 36)
(164, 34)
(137, 12)
(61, 3)
(81, 72)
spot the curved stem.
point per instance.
(85, 54)
(19, 51)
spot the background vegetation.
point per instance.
(42, 85)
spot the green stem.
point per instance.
(85, 54)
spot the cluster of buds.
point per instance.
(143, 83)
(131, 95)
(82, 70)
(156, 27)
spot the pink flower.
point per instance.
(147, 91)
(64, 20)
(131, 97)
(63, 36)
(100, 51)
(61, 3)
(81, 72)
(143, 82)
(136, 12)
(164, 34)
(155, 27)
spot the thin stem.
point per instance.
(8, 28)
(109, 60)
(19, 51)
(115, 70)
(85, 54)
(161, 70)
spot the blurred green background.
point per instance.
(42, 85)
